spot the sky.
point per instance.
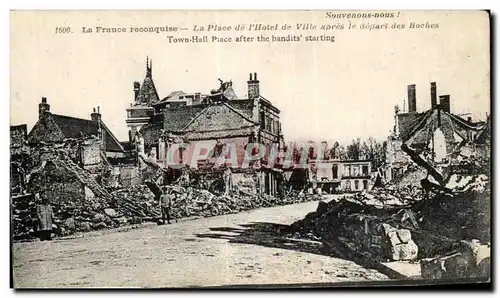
(325, 90)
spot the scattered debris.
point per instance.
(407, 224)
(137, 204)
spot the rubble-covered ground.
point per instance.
(235, 249)
(137, 204)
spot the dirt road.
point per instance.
(237, 249)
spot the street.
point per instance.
(236, 249)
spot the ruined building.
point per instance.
(94, 143)
(219, 118)
(437, 135)
(340, 175)
(65, 157)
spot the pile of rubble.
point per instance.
(70, 215)
(137, 204)
(142, 202)
(446, 230)
(23, 216)
(189, 202)
(379, 225)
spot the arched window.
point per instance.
(348, 185)
(356, 184)
(365, 184)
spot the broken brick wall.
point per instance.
(65, 190)
(245, 182)
(18, 136)
(129, 176)
(91, 154)
(56, 182)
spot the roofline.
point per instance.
(108, 131)
(139, 107)
(270, 103)
(13, 127)
(48, 116)
(207, 131)
(465, 123)
(195, 117)
(239, 113)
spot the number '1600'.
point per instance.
(63, 30)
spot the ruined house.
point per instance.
(88, 143)
(437, 135)
(220, 118)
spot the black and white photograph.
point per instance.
(249, 149)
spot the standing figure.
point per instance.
(165, 205)
(45, 216)
(227, 181)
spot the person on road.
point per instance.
(226, 176)
(165, 205)
(45, 216)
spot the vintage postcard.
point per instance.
(178, 149)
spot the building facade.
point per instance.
(220, 118)
(333, 176)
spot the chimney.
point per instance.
(412, 99)
(43, 107)
(444, 103)
(96, 115)
(137, 87)
(469, 119)
(253, 86)
(433, 95)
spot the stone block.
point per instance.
(393, 238)
(111, 212)
(404, 235)
(387, 228)
(69, 224)
(121, 220)
(85, 226)
(99, 218)
(99, 226)
(405, 251)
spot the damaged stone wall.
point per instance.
(245, 182)
(91, 154)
